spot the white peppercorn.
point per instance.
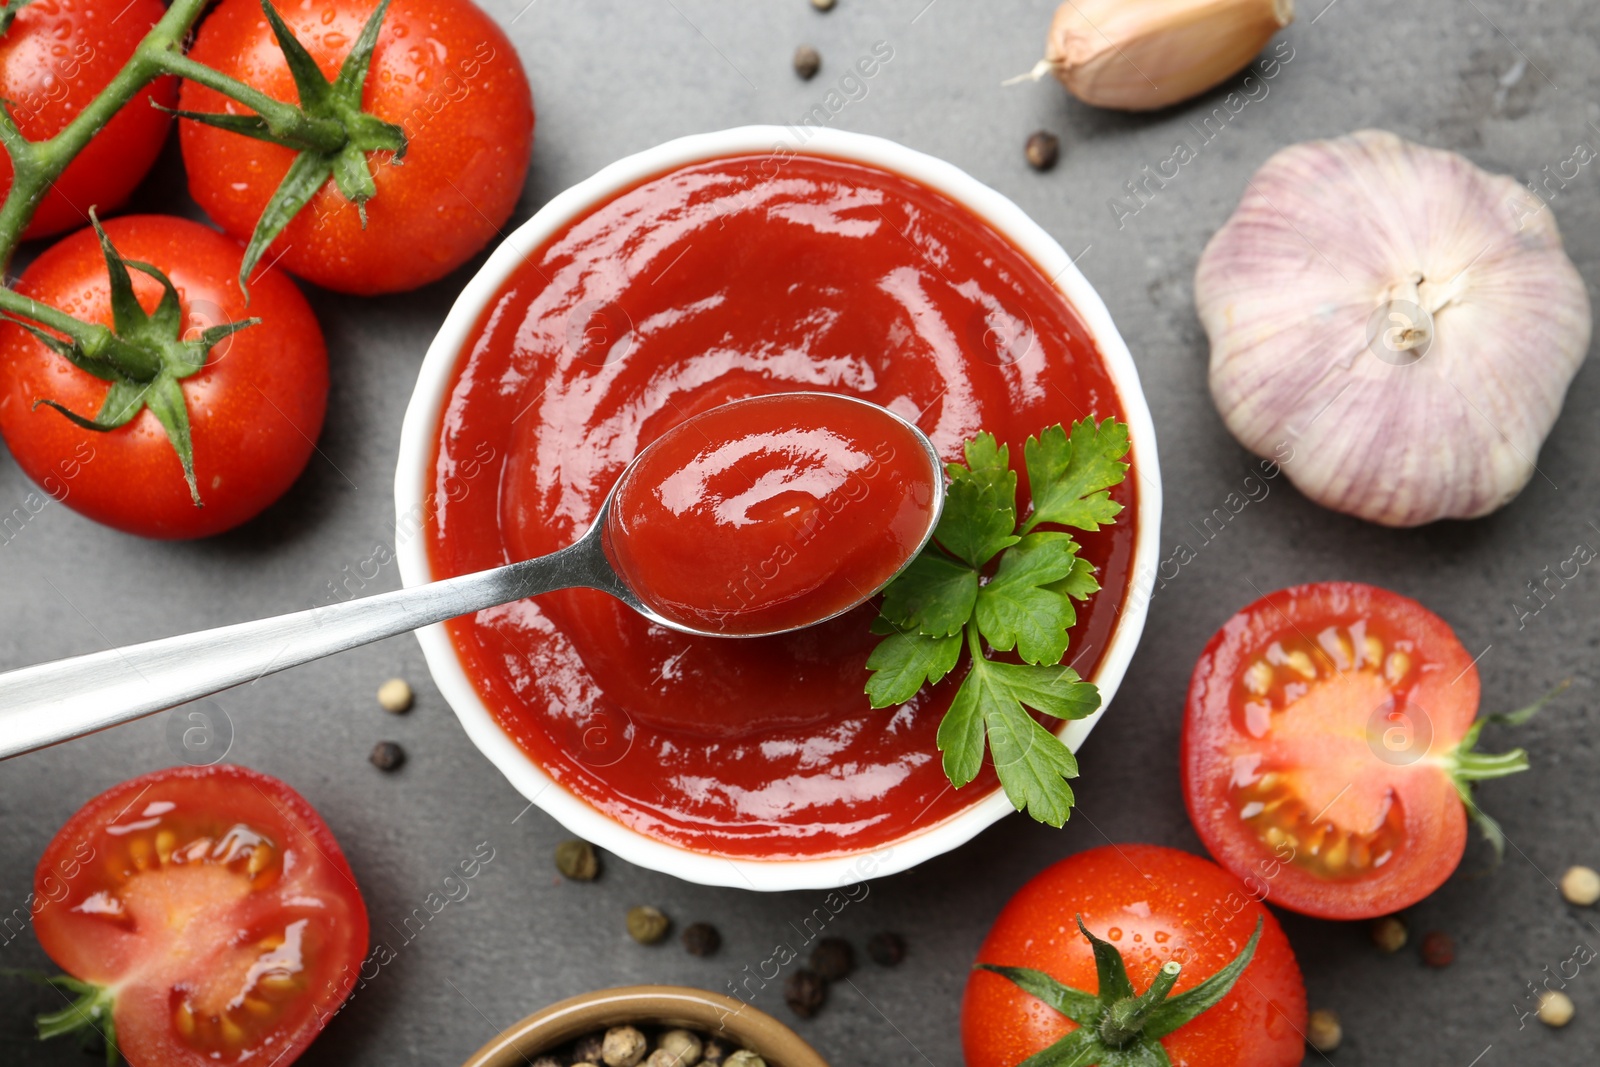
(1555, 1008)
(684, 1047)
(624, 1047)
(1323, 1031)
(1581, 886)
(395, 695)
(744, 1058)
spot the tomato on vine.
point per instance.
(159, 391)
(55, 57)
(1135, 956)
(439, 123)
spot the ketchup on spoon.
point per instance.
(773, 512)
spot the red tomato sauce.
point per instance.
(713, 282)
(772, 513)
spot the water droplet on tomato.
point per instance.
(1162, 937)
(328, 16)
(334, 39)
(1115, 933)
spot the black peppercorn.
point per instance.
(1438, 950)
(886, 949)
(701, 939)
(387, 756)
(833, 959)
(805, 992)
(589, 1049)
(807, 61)
(1042, 150)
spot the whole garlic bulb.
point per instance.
(1139, 55)
(1401, 323)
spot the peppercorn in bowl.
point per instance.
(648, 1026)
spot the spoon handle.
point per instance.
(54, 702)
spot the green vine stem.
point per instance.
(36, 164)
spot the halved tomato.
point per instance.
(207, 911)
(1327, 749)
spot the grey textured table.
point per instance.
(1511, 83)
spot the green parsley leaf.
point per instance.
(1069, 476)
(1014, 612)
(1054, 690)
(903, 662)
(958, 594)
(1032, 763)
(935, 597)
(980, 504)
(1080, 584)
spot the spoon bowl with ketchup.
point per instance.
(753, 518)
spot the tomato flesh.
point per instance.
(217, 907)
(772, 513)
(1318, 725)
(1154, 905)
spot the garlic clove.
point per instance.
(1401, 323)
(1139, 55)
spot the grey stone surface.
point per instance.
(1514, 84)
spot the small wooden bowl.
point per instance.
(648, 1005)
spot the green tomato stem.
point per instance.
(97, 341)
(284, 120)
(36, 164)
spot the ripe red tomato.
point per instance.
(442, 70)
(1319, 727)
(1155, 905)
(255, 408)
(55, 58)
(216, 906)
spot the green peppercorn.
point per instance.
(647, 925)
(577, 860)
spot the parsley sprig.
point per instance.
(988, 580)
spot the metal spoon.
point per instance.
(49, 703)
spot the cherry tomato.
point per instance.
(1319, 724)
(255, 408)
(1155, 905)
(57, 57)
(215, 905)
(442, 70)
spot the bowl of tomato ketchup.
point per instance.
(713, 268)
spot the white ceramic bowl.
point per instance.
(421, 428)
